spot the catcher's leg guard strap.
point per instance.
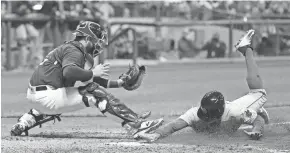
(106, 102)
(112, 106)
(92, 89)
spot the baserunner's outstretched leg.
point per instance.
(255, 84)
(254, 79)
(253, 76)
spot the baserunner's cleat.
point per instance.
(245, 42)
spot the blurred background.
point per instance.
(144, 30)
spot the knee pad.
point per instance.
(107, 103)
(94, 89)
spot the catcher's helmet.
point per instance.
(212, 106)
(97, 32)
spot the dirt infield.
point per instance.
(104, 136)
(172, 88)
(87, 134)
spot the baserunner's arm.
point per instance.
(188, 118)
(172, 127)
(165, 130)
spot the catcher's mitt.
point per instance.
(133, 77)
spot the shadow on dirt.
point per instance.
(82, 135)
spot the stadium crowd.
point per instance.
(188, 9)
(28, 33)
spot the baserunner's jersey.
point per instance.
(49, 72)
(240, 111)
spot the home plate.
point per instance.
(135, 144)
(129, 144)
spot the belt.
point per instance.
(40, 88)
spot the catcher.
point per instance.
(217, 115)
(52, 92)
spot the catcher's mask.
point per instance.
(97, 34)
(212, 106)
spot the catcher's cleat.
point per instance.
(144, 115)
(25, 125)
(264, 114)
(245, 42)
(17, 129)
(44, 120)
(148, 126)
(26, 121)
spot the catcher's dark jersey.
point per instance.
(49, 72)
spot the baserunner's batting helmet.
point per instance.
(212, 106)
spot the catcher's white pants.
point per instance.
(57, 101)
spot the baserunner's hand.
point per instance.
(101, 70)
(149, 137)
(253, 135)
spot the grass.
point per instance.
(170, 89)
